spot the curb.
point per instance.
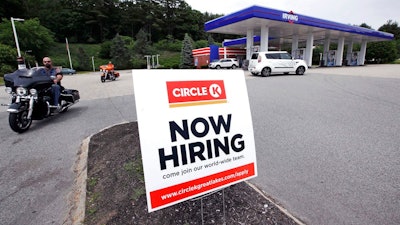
(77, 199)
(283, 210)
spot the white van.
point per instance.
(267, 63)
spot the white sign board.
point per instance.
(196, 132)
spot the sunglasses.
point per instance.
(46, 61)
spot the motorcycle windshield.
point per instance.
(27, 78)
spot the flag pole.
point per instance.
(69, 54)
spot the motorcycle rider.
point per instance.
(110, 68)
(49, 70)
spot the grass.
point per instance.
(91, 183)
(135, 168)
(92, 196)
(60, 55)
(137, 193)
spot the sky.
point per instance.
(374, 13)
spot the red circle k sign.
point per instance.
(188, 93)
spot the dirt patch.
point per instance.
(116, 192)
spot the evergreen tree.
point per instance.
(120, 53)
(142, 44)
(140, 49)
(84, 60)
(210, 40)
(186, 53)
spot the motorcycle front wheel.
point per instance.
(19, 122)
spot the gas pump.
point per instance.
(330, 58)
(354, 59)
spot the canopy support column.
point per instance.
(295, 44)
(349, 52)
(249, 43)
(309, 49)
(340, 49)
(264, 39)
(363, 51)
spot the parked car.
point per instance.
(68, 71)
(224, 63)
(267, 63)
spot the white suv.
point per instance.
(266, 63)
(224, 63)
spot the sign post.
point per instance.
(196, 132)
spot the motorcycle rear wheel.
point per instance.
(19, 121)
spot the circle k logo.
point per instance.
(187, 93)
(215, 90)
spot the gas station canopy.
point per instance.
(284, 25)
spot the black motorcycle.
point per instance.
(31, 96)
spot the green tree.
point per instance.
(381, 52)
(200, 44)
(83, 59)
(169, 44)
(210, 40)
(120, 53)
(186, 53)
(11, 8)
(31, 36)
(142, 43)
(393, 27)
(8, 59)
(105, 49)
(365, 26)
(140, 49)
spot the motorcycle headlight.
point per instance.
(33, 92)
(21, 91)
(8, 90)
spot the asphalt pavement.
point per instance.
(327, 145)
(38, 168)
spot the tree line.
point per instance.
(146, 22)
(95, 21)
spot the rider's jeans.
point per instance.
(55, 90)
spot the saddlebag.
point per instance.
(70, 95)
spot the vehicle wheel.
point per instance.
(19, 121)
(266, 72)
(103, 79)
(300, 70)
(234, 66)
(218, 67)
